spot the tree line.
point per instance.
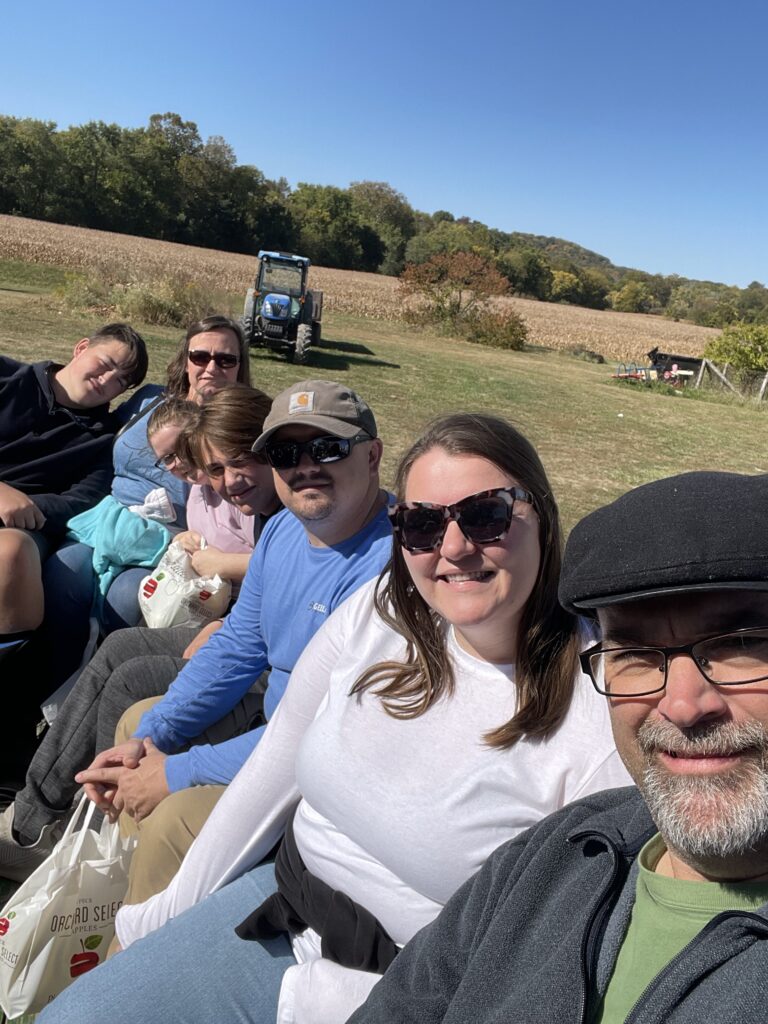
(164, 181)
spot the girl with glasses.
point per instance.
(437, 713)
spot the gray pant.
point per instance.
(131, 665)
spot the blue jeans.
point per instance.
(69, 582)
(121, 605)
(194, 970)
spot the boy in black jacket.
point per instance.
(56, 435)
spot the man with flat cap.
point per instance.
(646, 904)
(333, 535)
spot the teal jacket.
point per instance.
(119, 538)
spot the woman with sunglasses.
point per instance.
(438, 712)
(212, 354)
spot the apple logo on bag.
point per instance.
(87, 959)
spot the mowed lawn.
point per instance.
(597, 438)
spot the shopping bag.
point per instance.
(60, 922)
(174, 595)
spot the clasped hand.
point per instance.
(129, 777)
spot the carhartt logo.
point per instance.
(302, 401)
(317, 606)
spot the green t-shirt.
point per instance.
(668, 913)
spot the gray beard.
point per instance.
(705, 817)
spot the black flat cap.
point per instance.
(696, 531)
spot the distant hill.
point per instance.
(559, 250)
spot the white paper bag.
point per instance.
(174, 595)
(60, 922)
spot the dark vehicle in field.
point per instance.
(664, 361)
(280, 312)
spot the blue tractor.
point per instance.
(280, 312)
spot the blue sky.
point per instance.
(636, 130)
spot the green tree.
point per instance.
(447, 236)
(594, 287)
(528, 272)
(90, 162)
(329, 232)
(566, 287)
(743, 346)
(633, 297)
(388, 213)
(29, 162)
(752, 303)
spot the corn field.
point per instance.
(617, 336)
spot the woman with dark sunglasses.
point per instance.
(212, 354)
(437, 713)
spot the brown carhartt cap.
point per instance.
(324, 404)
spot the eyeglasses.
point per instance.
(201, 357)
(287, 454)
(167, 461)
(731, 659)
(216, 470)
(483, 518)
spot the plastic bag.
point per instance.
(60, 922)
(174, 595)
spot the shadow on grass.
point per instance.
(338, 356)
(530, 346)
(346, 346)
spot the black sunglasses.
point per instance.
(483, 518)
(201, 357)
(287, 454)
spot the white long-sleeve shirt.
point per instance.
(395, 813)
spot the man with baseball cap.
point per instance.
(651, 904)
(332, 537)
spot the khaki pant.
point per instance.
(167, 833)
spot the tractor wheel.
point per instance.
(303, 341)
(316, 329)
(249, 315)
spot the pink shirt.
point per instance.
(223, 526)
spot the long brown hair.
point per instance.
(178, 379)
(547, 644)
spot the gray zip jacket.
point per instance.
(533, 937)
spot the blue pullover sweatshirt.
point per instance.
(135, 471)
(290, 589)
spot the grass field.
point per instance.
(597, 438)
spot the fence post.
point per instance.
(721, 376)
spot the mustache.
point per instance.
(709, 739)
(304, 477)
